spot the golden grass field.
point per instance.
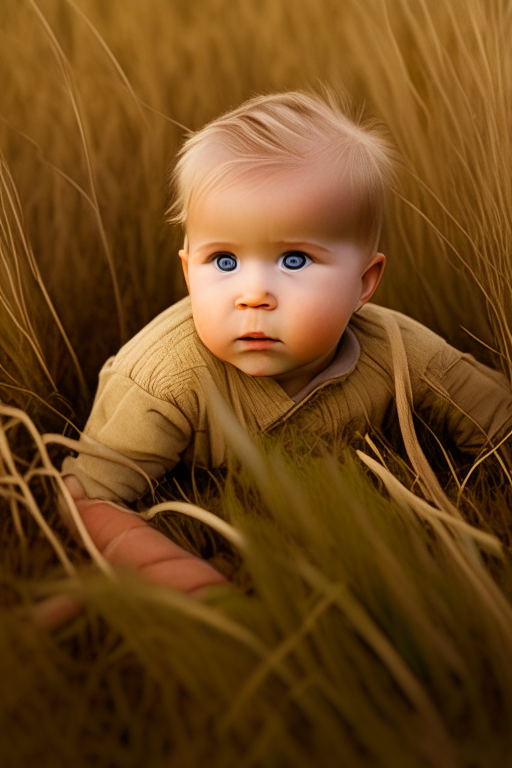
(365, 628)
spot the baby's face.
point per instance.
(275, 271)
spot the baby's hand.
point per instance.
(125, 539)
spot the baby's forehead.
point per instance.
(302, 205)
(320, 180)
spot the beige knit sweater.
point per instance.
(154, 406)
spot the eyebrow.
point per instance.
(287, 243)
(303, 244)
(224, 244)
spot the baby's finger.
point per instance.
(53, 612)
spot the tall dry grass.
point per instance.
(368, 627)
(88, 98)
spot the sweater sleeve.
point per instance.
(478, 399)
(131, 436)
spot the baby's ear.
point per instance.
(184, 263)
(371, 277)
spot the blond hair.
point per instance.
(284, 131)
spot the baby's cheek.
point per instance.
(213, 332)
(317, 329)
(318, 341)
(208, 332)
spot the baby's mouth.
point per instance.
(257, 336)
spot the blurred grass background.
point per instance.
(364, 633)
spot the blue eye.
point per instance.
(294, 261)
(225, 262)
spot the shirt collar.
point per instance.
(343, 363)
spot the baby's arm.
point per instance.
(149, 433)
(479, 410)
(125, 539)
(472, 401)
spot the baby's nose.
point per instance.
(256, 299)
(255, 286)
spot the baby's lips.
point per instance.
(257, 335)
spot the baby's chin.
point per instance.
(258, 365)
(256, 371)
(253, 363)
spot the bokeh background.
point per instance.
(96, 97)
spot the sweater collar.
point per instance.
(343, 363)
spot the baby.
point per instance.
(281, 201)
